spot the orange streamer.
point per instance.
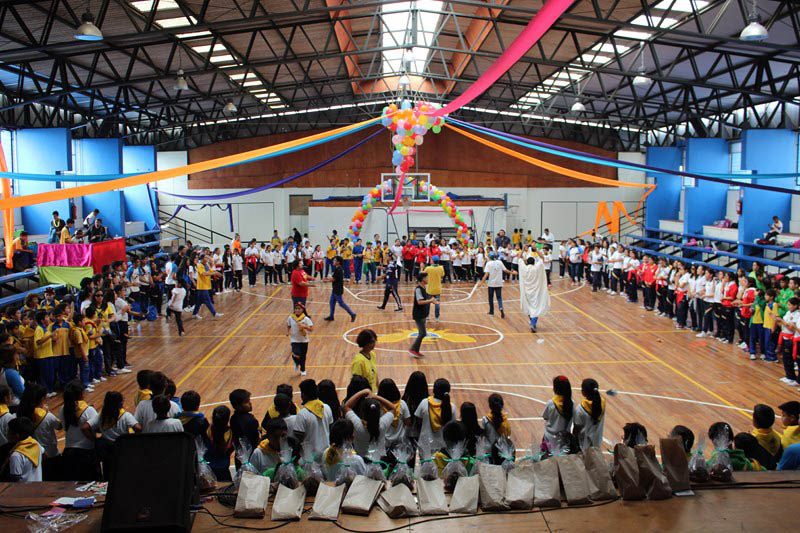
(150, 177)
(8, 213)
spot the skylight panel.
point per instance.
(193, 34)
(654, 21)
(252, 83)
(682, 6)
(205, 48)
(396, 25)
(221, 58)
(609, 47)
(146, 6)
(241, 76)
(595, 58)
(633, 34)
(176, 22)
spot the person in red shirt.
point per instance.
(421, 258)
(649, 269)
(729, 291)
(300, 284)
(745, 310)
(409, 257)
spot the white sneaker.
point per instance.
(612, 293)
(752, 357)
(51, 394)
(742, 345)
(197, 317)
(124, 371)
(303, 373)
(786, 380)
(88, 388)
(763, 357)
(700, 335)
(95, 381)
(219, 314)
(103, 378)
(792, 383)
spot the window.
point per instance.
(687, 182)
(298, 204)
(735, 163)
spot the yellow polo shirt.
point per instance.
(365, 367)
(44, 350)
(203, 278)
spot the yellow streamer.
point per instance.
(150, 177)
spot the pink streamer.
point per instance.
(64, 255)
(538, 26)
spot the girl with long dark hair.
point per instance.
(558, 412)
(590, 416)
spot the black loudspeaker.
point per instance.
(153, 482)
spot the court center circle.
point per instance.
(435, 328)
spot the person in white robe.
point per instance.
(534, 297)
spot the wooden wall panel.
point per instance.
(452, 160)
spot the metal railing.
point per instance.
(188, 230)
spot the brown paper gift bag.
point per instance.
(546, 490)
(398, 502)
(362, 495)
(251, 502)
(431, 497)
(327, 502)
(574, 479)
(676, 464)
(651, 478)
(492, 487)
(601, 486)
(465, 495)
(519, 487)
(288, 503)
(626, 473)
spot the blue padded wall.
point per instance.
(664, 202)
(706, 201)
(103, 156)
(42, 151)
(766, 151)
(139, 205)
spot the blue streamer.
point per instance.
(109, 177)
(281, 181)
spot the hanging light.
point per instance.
(641, 78)
(230, 107)
(754, 31)
(87, 31)
(404, 82)
(180, 82)
(578, 107)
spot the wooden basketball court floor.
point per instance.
(663, 376)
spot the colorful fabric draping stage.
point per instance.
(69, 263)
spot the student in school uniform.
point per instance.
(313, 421)
(397, 412)
(243, 424)
(707, 318)
(589, 416)
(26, 458)
(558, 412)
(237, 267)
(790, 418)
(744, 310)
(770, 314)
(768, 438)
(267, 456)
(120, 329)
(370, 426)
(79, 458)
(176, 303)
(162, 422)
(65, 363)
(788, 325)
(203, 297)
(33, 406)
(434, 412)
(340, 451)
(298, 326)
(105, 428)
(144, 409)
(727, 320)
(495, 424)
(435, 273)
(46, 362)
(95, 348)
(143, 381)
(632, 277)
(194, 422)
(219, 443)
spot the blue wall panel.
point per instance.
(42, 151)
(140, 205)
(766, 151)
(103, 156)
(664, 202)
(112, 210)
(706, 201)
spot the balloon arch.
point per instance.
(435, 194)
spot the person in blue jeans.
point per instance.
(358, 260)
(337, 282)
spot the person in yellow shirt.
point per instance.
(770, 314)
(768, 438)
(346, 253)
(364, 363)
(95, 342)
(23, 256)
(203, 293)
(27, 328)
(529, 238)
(435, 274)
(276, 240)
(80, 347)
(330, 254)
(46, 363)
(516, 237)
(66, 237)
(790, 418)
(60, 331)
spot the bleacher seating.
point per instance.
(671, 257)
(15, 298)
(784, 251)
(711, 252)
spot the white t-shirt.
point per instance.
(791, 317)
(597, 261)
(590, 433)
(444, 253)
(397, 433)
(316, 431)
(168, 425)
(777, 227)
(171, 269)
(144, 412)
(123, 426)
(495, 270)
(21, 466)
(549, 237)
(251, 251)
(295, 335)
(121, 310)
(554, 422)
(4, 420)
(45, 434)
(74, 437)
(426, 433)
(616, 260)
(237, 262)
(176, 300)
(267, 258)
(575, 254)
(480, 259)
(361, 441)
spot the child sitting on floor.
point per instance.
(194, 422)
(219, 443)
(267, 455)
(25, 462)
(768, 438)
(721, 434)
(144, 392)
(340, 452)
(686, 436)
(790, 415)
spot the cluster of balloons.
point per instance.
(367, 202)
(449, 207)
(409, 123)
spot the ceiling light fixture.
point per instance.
(180, 82)
(404, 82)
(641, 78)
(230, 107)
(754, 31)
(87, 31)
(578, 107)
